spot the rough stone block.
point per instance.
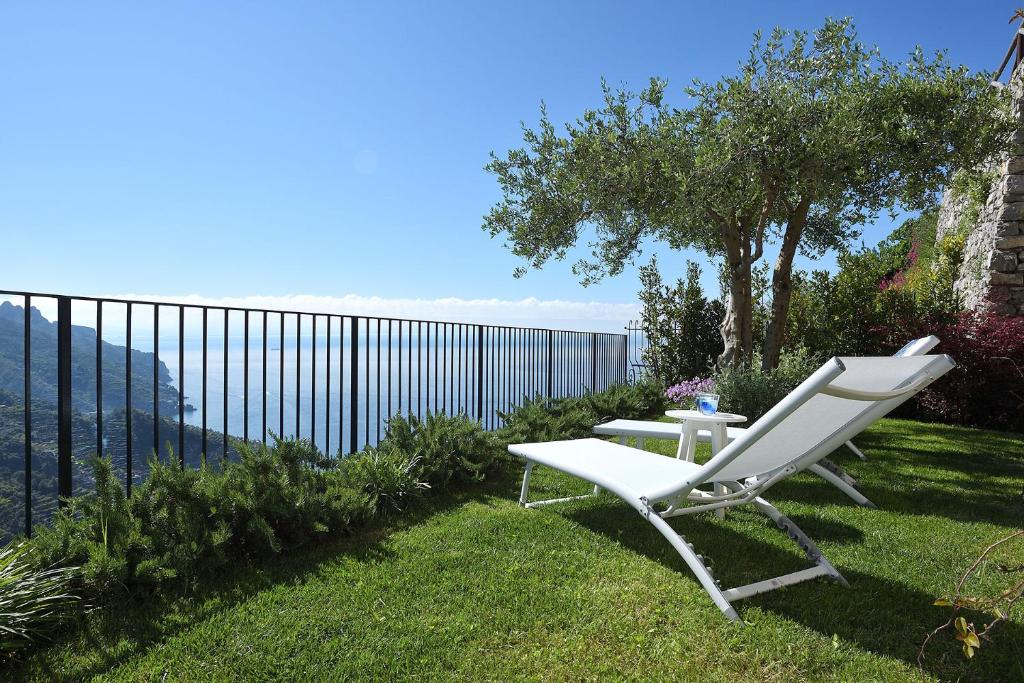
(1017, 294)
(1011, 211)
(1001, 261)
(1012, 279)
(1004, 309)
(1008, 228)
(1014, 165)
(1013, 184)
(1014, 242)
(997, 295)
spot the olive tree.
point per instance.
(814, 136)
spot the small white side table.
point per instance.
(693, 420)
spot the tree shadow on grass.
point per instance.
(877, 614)
(147, 622)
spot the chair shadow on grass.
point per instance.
(979, 475)
(139, 621)
(880, 615)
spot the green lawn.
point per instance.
(476, 588)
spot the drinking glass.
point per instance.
(707, 404)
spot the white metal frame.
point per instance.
(685, 497)
(826, 469)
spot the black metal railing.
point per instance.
(1015, 52)
(636, 344)
(331, 378)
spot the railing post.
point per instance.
(551, 363)
(28, 415)
(354, 384)
(480, 372)
(593, 361)
(63, 398)
(625, 358)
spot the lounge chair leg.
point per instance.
(694, 561)
(526, 484)
(856, 451)
(841, 484)
(800, 538)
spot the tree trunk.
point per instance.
(782, 286)
(737, 328)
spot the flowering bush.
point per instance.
(984, 389)
(683, 392)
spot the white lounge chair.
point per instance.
(839, 400)
(830, 472)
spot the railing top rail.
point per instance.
(321, 314)
(1015, 51)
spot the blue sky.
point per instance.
(331, 149)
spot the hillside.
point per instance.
(83, 366)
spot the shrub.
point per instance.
(100, 534)
(445, 447)
(182, 522)
(629, 401)
(277, 497)
(751, 391)
(541, 419)
(984, 389)
(385, 475)
(33, 600)
(903, 285)
(679, 323)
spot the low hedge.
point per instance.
(182, 523)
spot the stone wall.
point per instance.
(992, 273)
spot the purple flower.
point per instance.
(687, 389)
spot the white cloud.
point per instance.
(594, 316)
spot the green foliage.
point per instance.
(750, 390)
(972, 186)
(880, 297)
(181, 523)
(628, 401)
(540, 419)
(680, 325)
(445, 448)
(386, 476)
(100, 533)
(815, 135)
(33, 599)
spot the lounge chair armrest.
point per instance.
(857, 395)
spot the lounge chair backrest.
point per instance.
(835, 403)
(918, 347)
